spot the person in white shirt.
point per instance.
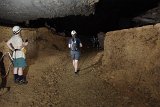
(16, 44)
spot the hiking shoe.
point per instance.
(76, 72)
(22, 82)
(16, 81)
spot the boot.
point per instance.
(23, 80)
(16, 78)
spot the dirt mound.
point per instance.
(46, 39)
(131, 57)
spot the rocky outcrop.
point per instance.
(24, 10)
(150, 17)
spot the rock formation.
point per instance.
(23, 10)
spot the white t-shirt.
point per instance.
(17, 43)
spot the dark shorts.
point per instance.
(75, 55)
(19, 62)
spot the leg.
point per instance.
(76, 65)
(73, 58)
(15, 72)
(19, 63)
(22, 79)
(20, 73)
(77, 55)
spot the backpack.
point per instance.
(74, 45)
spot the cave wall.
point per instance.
(132, 59)
(135, 48)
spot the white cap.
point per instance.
(73, 32)
(16, 29)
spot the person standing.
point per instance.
(16, 44)
(75, 45)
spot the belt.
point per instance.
(17, 50)
(74, 50)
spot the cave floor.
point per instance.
(52, 83)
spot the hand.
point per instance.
(25, 43)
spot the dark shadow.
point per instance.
(25, 72)
(118, 14)
(29, 63)
(88, 67)
(31, 57)
(3, 72)
(91, 66)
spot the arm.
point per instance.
(9, 44)
(24, 44)
(69, 44)
(80, 44)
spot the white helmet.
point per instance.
(16, 29)
(73, 32)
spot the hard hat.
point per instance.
(73, 32)
(16, 29)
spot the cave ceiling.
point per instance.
(104, 11)
(22, 10)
